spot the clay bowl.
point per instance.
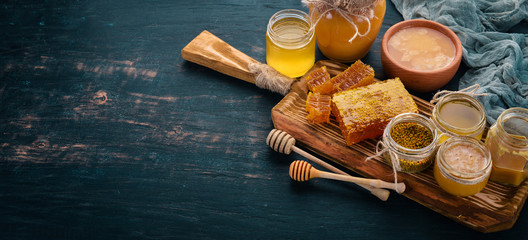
(420, 80)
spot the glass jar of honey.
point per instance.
(463, 166)
(290, 42)
(410, 138)
(459, 114)
(345, 30)
(507, 140)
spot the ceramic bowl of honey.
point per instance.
(424, 54)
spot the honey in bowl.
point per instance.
(421, 48)
(422, 80)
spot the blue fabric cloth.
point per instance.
(497, 60)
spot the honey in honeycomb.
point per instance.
(318, 81)
(364, 112)
(318, 108)
(357, 75)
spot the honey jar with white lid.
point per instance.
(462, 166)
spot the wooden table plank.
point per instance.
(107, 133)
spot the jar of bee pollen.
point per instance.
(412, 138)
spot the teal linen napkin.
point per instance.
(497, 60)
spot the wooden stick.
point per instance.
(210, 51)
(303, 171)
(283, 142)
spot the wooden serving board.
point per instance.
(495, 208)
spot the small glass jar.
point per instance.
(346, 32)
(459, 114)
(290, 42)
(463, 166)
(410, 159)
(507, 140)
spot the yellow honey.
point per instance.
(459, 114)
(463, 166)
(290, 43)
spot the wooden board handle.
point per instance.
(210, 51)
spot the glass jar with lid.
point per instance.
(507, 140)
(290, 42)
(459, 114)
(463, 166)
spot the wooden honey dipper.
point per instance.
(303, 171)
(283, 142)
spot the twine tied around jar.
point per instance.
(346, 8)
(393, 158)
(469, 90)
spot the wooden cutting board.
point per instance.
(495, 208)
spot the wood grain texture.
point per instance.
(106, 132)
(495, 208)
(210, 51)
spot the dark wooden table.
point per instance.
(107, 133)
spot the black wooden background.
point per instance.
(107, 133)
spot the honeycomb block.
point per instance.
(357, 75)
(319, 81)
(318, 108)
(364, 112)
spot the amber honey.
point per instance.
(318, 108)
(507, 140)
(340, 40)
(290, 43)
(319, 81)
(357, 75)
